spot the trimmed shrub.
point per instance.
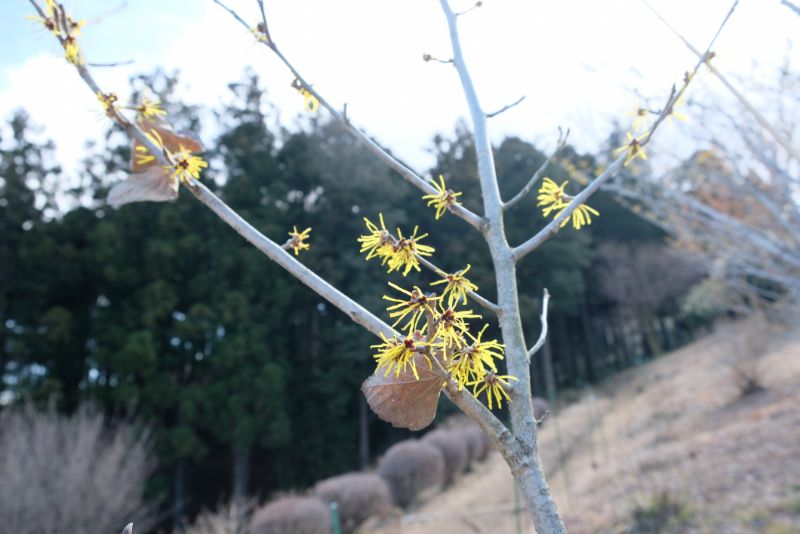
(358, 495)
(292, 515)
(409, 468)
(471, 440)
(454, 452)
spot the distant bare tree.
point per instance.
(641, 278)
(73, 474)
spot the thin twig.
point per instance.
(793, 7)
(506, 107)
(675, 94)
(401, 168)
(114, 64)
(762, 121)
(562, 142)
(543, 318)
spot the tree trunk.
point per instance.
(179, 498)
(363, 432)
(241, 473)
(650, 335)
(589, 343)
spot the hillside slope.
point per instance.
(671, 445)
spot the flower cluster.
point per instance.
(399, 253)
(441, 334)
(552, 198)
(443, 199)
(433, 329)
(65, 28)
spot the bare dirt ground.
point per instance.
(671, 446)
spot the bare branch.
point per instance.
(562, 142)
(428, 57)
(543, 317)
(476, 5)
(113, 64)
(793, 7)
(506, 107)
(762, 121)
(401, 168)
(675, 94)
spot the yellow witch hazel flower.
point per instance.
(297, 240)
(413, 307)
(450, 325)
(473, 361)
(494, 385)
(406, 250)
(397, 354)
(400, 253)
(443, 199)
(553, 198)
(378, 243)
(187, 166)
(310, 101)
(109, 102)
(148, 109)
(633, 147)
(457, 287)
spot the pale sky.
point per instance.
(579, 62)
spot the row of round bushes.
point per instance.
(409, 471)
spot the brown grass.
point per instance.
(671, 437)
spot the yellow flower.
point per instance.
(472, 361)
(457, 287)
(298, 240)
(259, 33)
(406, 250)
(148, 109)
(187, 166)
(495, 386)
(414, 306)
(378, 242)
(109, 102)
(71, 50)
(551, 196)
(443, 199)
(580, 217)
(310, 102)
(450, 325)
(633, 147)
(398, 353)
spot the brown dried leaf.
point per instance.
(402, 400)
(172, 141)
(154, 185)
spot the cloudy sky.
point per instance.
(580, 63)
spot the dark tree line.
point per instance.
(250, 381)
